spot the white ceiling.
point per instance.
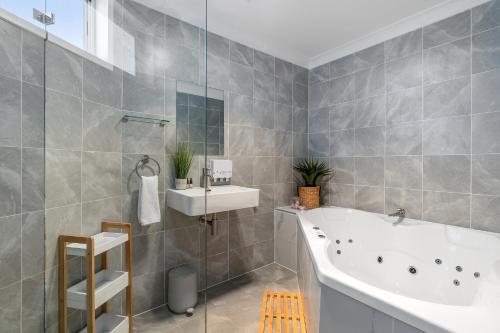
(311, 32)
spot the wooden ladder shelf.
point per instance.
(282, 312)
(102, 286)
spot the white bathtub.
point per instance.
(347, 260)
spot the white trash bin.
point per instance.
(182, 289)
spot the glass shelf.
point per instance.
(161, 122)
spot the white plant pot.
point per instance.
(180, 184)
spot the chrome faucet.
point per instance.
(208, 178)
(400, 212)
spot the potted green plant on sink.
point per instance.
(311, 173)
(181, 160)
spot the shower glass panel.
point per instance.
(112, 68)
(22, 151)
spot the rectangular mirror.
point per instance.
(190, 118)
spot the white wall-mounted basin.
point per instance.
(191, 202)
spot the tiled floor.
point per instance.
(233, 306)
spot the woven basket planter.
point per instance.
(309, 196)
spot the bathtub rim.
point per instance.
(426, 316)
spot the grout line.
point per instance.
(470, 123)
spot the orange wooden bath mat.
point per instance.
(282, 312)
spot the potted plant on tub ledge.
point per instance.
(312, 173)
(181, 160)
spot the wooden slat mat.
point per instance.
(282, 312)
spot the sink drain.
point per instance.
(412, 270)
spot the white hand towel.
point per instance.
(148, 209)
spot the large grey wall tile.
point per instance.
(284, 92)
(182, 63)
(143, 93)
(264, 142)
(370, 112)
(485, 134)
(368, 57)
(485, 97)
(241, 53)
(486, 174)
(33, 179)
(33, 116)
(101, 128)
(300, 120)
(241, 232)
(63, 70)
(182, 33)
(342, 89)
(240, 110)
(147, 253)
(342, 195)
(319, 120)
(369, 171)
(263, 86)
(342, 143)
(404, 139)
(403, 172)
(283, 143)
(63, 121)
(283, 69)
(218, 46)
(10, 181)
(283, 170)
(485, 213)
(342, 116)
(300, 145)
(63, 177)
(447, 62)
(149, 291)
(218, 70)
(137, 17)
(102, 85)
(447, 208)
(32, 60)
(33, 304)
(100, 175)
(263, 62)
(370, 199)
(242, 170)
(319, 74)
(283, 117)
(11, 251)
(486, 16)
(263, 170)
(411, 200)
(319, 145)
(486, 51)
(94, 212)
(342, 66)
(263, 113)
(300, 75)
(10, 109)
(404, 45)
(447, 30)
(404, 106)
(242, 140)
(446, 136)
(10, 50)
(182, 246)
(241, 79)
(300, 95)
(241, 261)
(10, 308)
(343, 168)
(319, 95)
(450, 98)
(370, 82)
(447, 173)
(404, 73)
(369, 141)
(143, 138)
(33, 243)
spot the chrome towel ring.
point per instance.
(145, 160)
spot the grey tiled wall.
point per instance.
(91, 153)
(21, 180)
(413, 122)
